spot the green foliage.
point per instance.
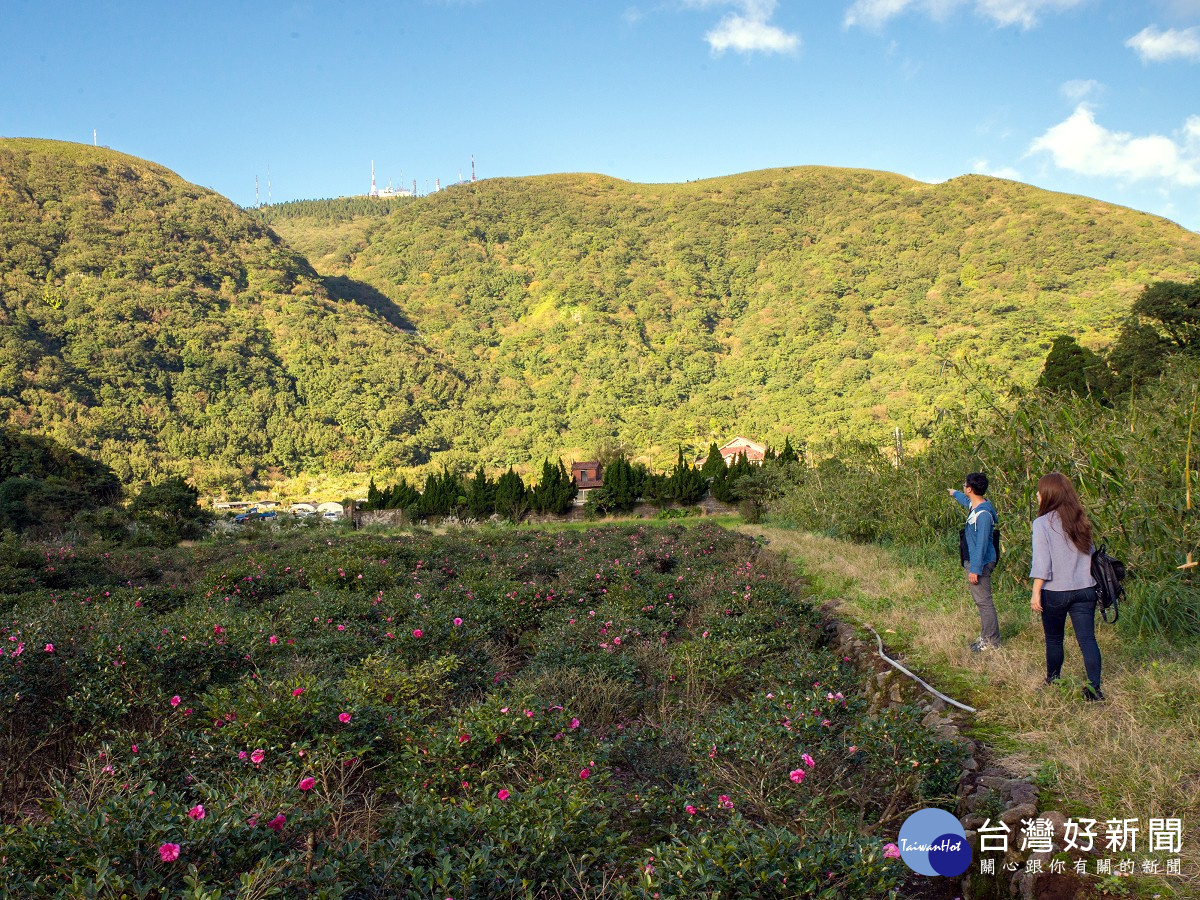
(556, 490)
(714, 463)
(1072, 369)
(443, 716)
(155, 326)
(169, 511)
(512, 497)
(1127, 462)
(44, 487)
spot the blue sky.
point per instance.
(1096, 97)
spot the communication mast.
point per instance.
(374, 190)
(268, 185)
(257, 201)
(472, 168)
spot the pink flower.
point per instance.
(341, 628)
(272, 640)
(891, 851)
(417, 632)
(175, 701)
(529, 713)
(277, 823)
(725, 802)
(584, 773)
(306, 784)
(852, 749)
(797, 775)
(197, 812)
(242, 754)
(691, 810)
(168, 852)
(457, 622)
(344, 718)
(257, 756)
(574, 723)
(463, 738)
(49, 648)
(808, 760)
(297, 692)
(133, 747)
(502, 794)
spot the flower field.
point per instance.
(624, 712)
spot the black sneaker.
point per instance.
(981, 645)
(1092, 694)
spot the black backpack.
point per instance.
(964, 555)
(1109, 572)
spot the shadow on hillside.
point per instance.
(342, 288)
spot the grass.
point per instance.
(1134, 756)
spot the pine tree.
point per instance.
(714, 464)
(512, 499)
(788, 455)
(481, 495)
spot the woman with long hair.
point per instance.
(1063, 585)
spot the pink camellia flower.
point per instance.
(168, 852)
(277, 823)
(725, 802)
(463, 738)
(852, 749)
(175, 701)
(272, 640)
(691, 810)
(529, 713)
(297, 692)
(797, 775)
(808, 760)
(344, 718)
(341, 628)
(257, 756)
(457, 622)
(502, 794)
(306, 784)
(197, 812)
(574, 723)
(417, 632)
(584, 773)
(242, 754)
(891, 851)
(133, 747)
(49, 648)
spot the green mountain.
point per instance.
(802, 302)
(156, 326)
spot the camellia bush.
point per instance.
(627, 712)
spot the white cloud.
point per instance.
(1079, 88)
(1079, 144)
(874, 13)
(983, 167)
(748, 29)
(1153, 45)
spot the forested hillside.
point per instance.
(804, 302)
(155, 325)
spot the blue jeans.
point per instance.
(1081, 607)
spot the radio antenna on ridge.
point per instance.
(257, 201)
(472, 168)
(268, 185)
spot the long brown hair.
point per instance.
(1058, 494)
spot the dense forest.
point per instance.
(160, 329)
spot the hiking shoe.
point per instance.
(1092, 694)
(981, 645)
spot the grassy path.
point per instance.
(1135, 756)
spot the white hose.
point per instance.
(923, 684)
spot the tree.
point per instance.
(169, 511)
(686, 484)
(555, 491)
(481, 495)
(788, 454)
(1174, 307)
(714, 464)
(1072, 369)
(512, 499)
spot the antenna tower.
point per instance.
(94, 137)
(268, 185)
(257, 201)
(472, 168)
(374, 191)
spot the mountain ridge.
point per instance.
(154, 324)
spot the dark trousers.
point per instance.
(1081, 607)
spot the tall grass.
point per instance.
(1129, 462)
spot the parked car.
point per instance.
(243, 518)
(269, 514)
(331, 516)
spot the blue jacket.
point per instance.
(980, 522)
